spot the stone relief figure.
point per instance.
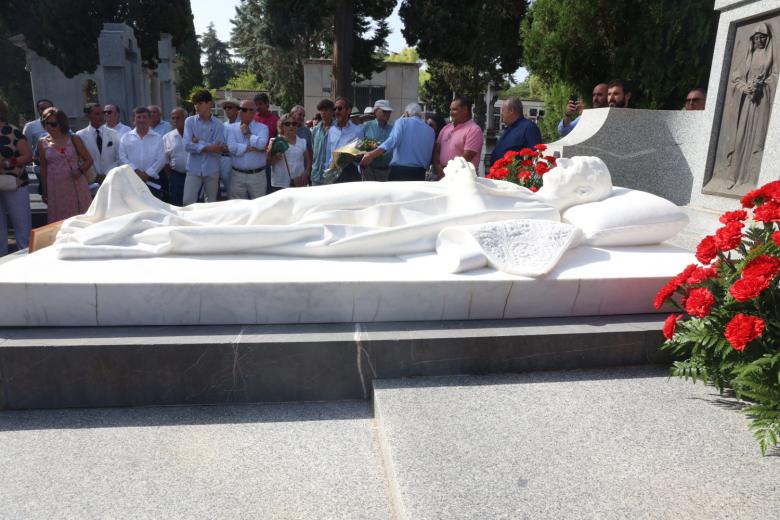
(753, 86)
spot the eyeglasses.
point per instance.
(108, 111)
(52, 124)
(245, 110)
(289, 123)
(339, 108)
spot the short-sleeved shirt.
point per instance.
(9, 138)
(271, 120)
(372, 130)
(454, 140)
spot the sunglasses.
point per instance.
(289, 123)
(108, 111)
(340, 108)
(245, 110)
(52, 124)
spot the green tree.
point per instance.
(15, 88)
(407, 55)
(663, 47)
(66, 33)
(245, 80)
(218, 67)
(275, 37)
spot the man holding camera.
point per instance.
(575, 106)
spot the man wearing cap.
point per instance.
(379, 130)
(230, 107)
(412, 141)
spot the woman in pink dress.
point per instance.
(64, 159)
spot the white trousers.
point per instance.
(193, 184)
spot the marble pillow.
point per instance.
(627, 218)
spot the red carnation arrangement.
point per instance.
(525, 168)
(728, 334)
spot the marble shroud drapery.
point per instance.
(359, 219)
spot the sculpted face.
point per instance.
(576, 181)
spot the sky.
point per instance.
(207, 11)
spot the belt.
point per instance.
(178, 172)
(225, 155)
(256, 170)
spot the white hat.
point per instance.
(368, 111)
(383, 104)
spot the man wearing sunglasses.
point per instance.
(341, 134)
(247, 140)
(696, 99)
(112, 120)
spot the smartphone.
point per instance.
(573, 98)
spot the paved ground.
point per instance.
(582, 444)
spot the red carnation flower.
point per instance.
(550, 159)
(750, 198)
(670, 325)
(776, 238)
(699, 302)
(707, 250)
(746, 289)
(764, 267)
(671, 286)
(733, 216)
(542, 168)
(742, 329)
(767, 212)
(526, 151)
(701, 274)
(540, 147)
(534, 188)
(526, 163)
(499, 173)
(729, 236)
(772, 191)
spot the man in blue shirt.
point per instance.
(411, 143)
(204, 141)
(519, 132)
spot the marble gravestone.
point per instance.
(685, 156)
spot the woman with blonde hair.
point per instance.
(15, 152)
(290, 167)
(64, 159)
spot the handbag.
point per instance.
(8, 182)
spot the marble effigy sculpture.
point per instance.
(471, 222)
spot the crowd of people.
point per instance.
(253, 152)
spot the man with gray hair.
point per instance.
(411, 143)
(519, 132)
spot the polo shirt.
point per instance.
(454, 140)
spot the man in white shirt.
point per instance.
(142, 150)
(112, 120)
(230, 106)
(247, 140)
(341, 134)
(156, 122)
(176, 157)
(101, 142)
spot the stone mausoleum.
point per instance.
(120, 78)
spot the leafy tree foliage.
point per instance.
(218, 67)
(274, 37)
(663, 47)
(467, 45)
(407, 55)
(245, 80)
(15, 88)
(66, 33)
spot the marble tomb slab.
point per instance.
(41, 290)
